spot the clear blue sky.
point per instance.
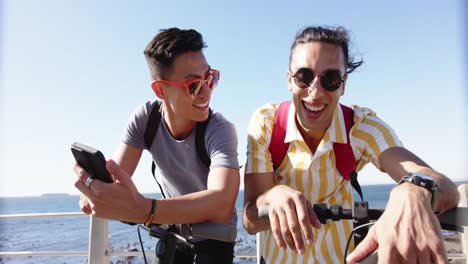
(75, 71)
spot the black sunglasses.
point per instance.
(331, 80)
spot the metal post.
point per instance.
(98, 240)
(463, 191)
(259, 243)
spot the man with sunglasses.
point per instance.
(183, 81)
(408, 231)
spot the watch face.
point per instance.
(422, 180)
(425, 182)
(424, 177)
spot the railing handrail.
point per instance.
(96, 253)
(43, 215)
(98, 237)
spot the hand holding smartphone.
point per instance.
(92, 160)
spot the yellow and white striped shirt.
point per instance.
(316, 175)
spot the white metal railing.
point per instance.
(463, 191)
(98, 250)
(98, 247)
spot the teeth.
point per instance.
(201, 105)
(314, 108)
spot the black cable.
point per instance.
(351, 236)
(141, 242)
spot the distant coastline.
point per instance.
(458, 183)
(56, 194)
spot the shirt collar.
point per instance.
(335, 133)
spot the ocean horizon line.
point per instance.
(48, 194)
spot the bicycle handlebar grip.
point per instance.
(319, 209)
(263, 212)
(210, 230)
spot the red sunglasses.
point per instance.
(193, 87)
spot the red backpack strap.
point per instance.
(278, 147)
(345, 161)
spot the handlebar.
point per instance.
(336, 212)
(453, 220)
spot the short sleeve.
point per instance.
(258, 140)
(134, 133)
(221, 142)
(372, 135)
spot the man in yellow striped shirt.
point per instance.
(408, 231)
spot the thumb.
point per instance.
(366, 247)
(120, 175)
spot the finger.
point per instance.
(285, 233)
(411, 257)
(85, 208)
(80, 172)
(424, 257)
(84, 190)
(76, 166)
(385, 256)
(275, 229)
(294, 230)
(367, 246)
(82, 176)
(313, 217)
(304, 221)
(120, 175)
(84, 201)
(439, 254)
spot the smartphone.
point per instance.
(92, 160)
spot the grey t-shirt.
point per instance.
(180, 171)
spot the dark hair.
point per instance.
(338, 35)
(167, 45)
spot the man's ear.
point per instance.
(289, 78)
(158, 90)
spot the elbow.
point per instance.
(248, 225)
(224, 209)
(249, 228)
(223, 216)
(226, 219)
(454, 198)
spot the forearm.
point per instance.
(256, 188)
(252, 223)
(398, 162)
(207, 205)
(447, 196)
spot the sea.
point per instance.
(71, 233)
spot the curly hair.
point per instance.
(334, 35)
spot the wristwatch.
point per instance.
(422, 181)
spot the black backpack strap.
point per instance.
(200, 141)
(151, 128)
(356, 185)
(152, 124)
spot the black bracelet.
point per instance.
(152, 212)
